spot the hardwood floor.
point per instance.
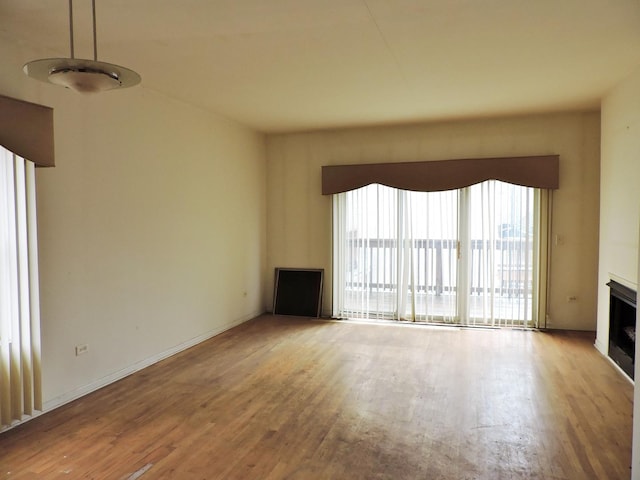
(291, 398)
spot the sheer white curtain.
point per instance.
(502, 249)
(395, 254)
(20, 391)
(460, 256)
(430, 253)
(366, 253)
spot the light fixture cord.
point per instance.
(95, 42)
(71, 27)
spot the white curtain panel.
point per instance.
(503, 240)
(20, 391)
(463, 256)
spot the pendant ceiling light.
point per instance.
(84, 76)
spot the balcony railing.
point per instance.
(501, 267)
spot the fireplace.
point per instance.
(622, 326)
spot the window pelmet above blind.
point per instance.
(26, 129)
(534, 171)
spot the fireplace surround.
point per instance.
(622, 326)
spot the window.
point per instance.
(468, 256)
(20, 392)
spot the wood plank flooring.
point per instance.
(294, 398)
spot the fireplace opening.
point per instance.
(622, 326)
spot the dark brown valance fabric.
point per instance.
(27, 130)
(537, 172)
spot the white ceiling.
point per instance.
(290, 65)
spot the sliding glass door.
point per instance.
(460, 256)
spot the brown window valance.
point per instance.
(536, 171)
(27, 130)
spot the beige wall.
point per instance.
(620, 212)
(299, 217)
(152, 229)
(620, 195)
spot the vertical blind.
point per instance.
(20, 353)
(465, 256)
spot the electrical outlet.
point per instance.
(80, 349)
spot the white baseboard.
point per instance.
(79, 392)
(602, 348)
